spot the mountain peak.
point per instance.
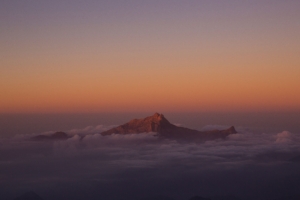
(157, 115)
(159, 124)
(232, 130)
(153, 123)
(158, 118)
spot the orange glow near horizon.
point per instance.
(198, 57)
(148, 90)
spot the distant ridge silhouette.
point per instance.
(55, 136)
(159, 124)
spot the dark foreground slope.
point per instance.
(159, 124)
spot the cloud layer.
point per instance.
(138, 165)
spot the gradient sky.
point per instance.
(167, 55)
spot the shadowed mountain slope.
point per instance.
(159, 124)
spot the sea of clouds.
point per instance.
(89, 165)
